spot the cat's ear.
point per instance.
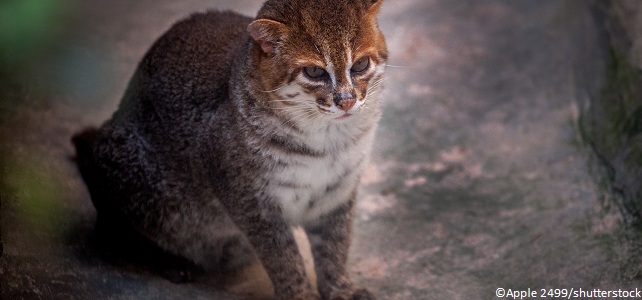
(267, 33)
(373, 7)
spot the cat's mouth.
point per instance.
(344, 116)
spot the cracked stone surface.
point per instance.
(479, 178)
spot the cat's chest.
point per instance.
(309, 187)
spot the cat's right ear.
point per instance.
(373, 7)
(268, 34)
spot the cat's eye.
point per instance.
(314, 72)
(361, 65)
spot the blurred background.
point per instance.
(509, 153)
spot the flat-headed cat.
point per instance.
(233, 130)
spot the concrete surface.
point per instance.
(479, 180)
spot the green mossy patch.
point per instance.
(612, 125)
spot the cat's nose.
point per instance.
(344, 101)
(346, 105)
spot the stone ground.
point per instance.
(480, 179)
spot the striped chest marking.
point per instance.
(310, 186)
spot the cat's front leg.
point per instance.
(274, 243)
(330, 241)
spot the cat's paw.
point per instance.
(362, 294)
(358, 294)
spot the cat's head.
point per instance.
(318, 59)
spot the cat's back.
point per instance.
(190, 64)
(199, 38)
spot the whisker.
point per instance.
(379, 80)
(293, 109)
(368, 99)
(376, 83)
(395, 66)
(300, 117)
(373, 90)
(314, 119)
(298, 111)
(374, 87)
(371, 94)
(366, 107)
(274, 90)
(289, 100)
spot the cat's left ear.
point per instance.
(268, 34)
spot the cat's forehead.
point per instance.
(323, 32)
(332, 16)
(317, 16)
(332, 26)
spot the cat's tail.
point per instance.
(84, 141)
(85, 159)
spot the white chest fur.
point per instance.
(312, 186)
